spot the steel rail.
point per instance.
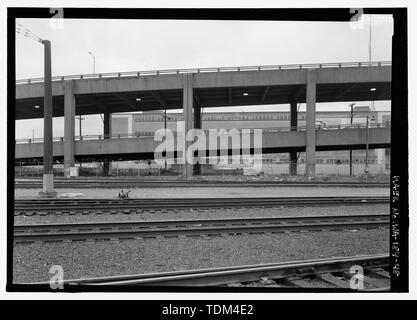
(228, 275)
(217, 278)
(161, 184)
(170, 228)
(173, 179)
(131, 203)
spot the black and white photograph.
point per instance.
(210, 150)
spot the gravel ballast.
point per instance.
(213, 192)
(31, 262)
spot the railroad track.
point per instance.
(333, 273)
(130, 230)
(68, 206)
(131, 183)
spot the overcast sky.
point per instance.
(133, 45)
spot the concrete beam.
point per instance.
(197, 125)
(106, 132)
(271, 141)
(212, 80)
(347, 89)
(164, 104)
(100, 104)
(69, 127)
(311, 124)
(197, 117)
(107, 123)
(197, 99)
(385, 94)
(264, 95)
(297, 96)
(291, 77)
(130, 103)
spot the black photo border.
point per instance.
(399, 130)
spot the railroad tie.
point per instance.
(265, 281)
(379, 272)
(235, 285)
(377, 283)
(372, 282)
(298, 282)
(329, 278)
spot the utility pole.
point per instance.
(367, 145)
(350, 150)
(48, 174)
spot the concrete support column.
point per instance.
(69, 127)
(311, 124)
(380, 156)
(387, 157)
(197, 125)
(106, 132)
(187, 103)
(293, 124)
(197, 117)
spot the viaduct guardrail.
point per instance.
(151, 133)
(125, 74)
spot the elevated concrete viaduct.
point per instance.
(192, 89)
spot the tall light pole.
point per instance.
(48, 174)
(94, 61)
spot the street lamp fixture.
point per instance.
(373, 89)
(245, 94)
